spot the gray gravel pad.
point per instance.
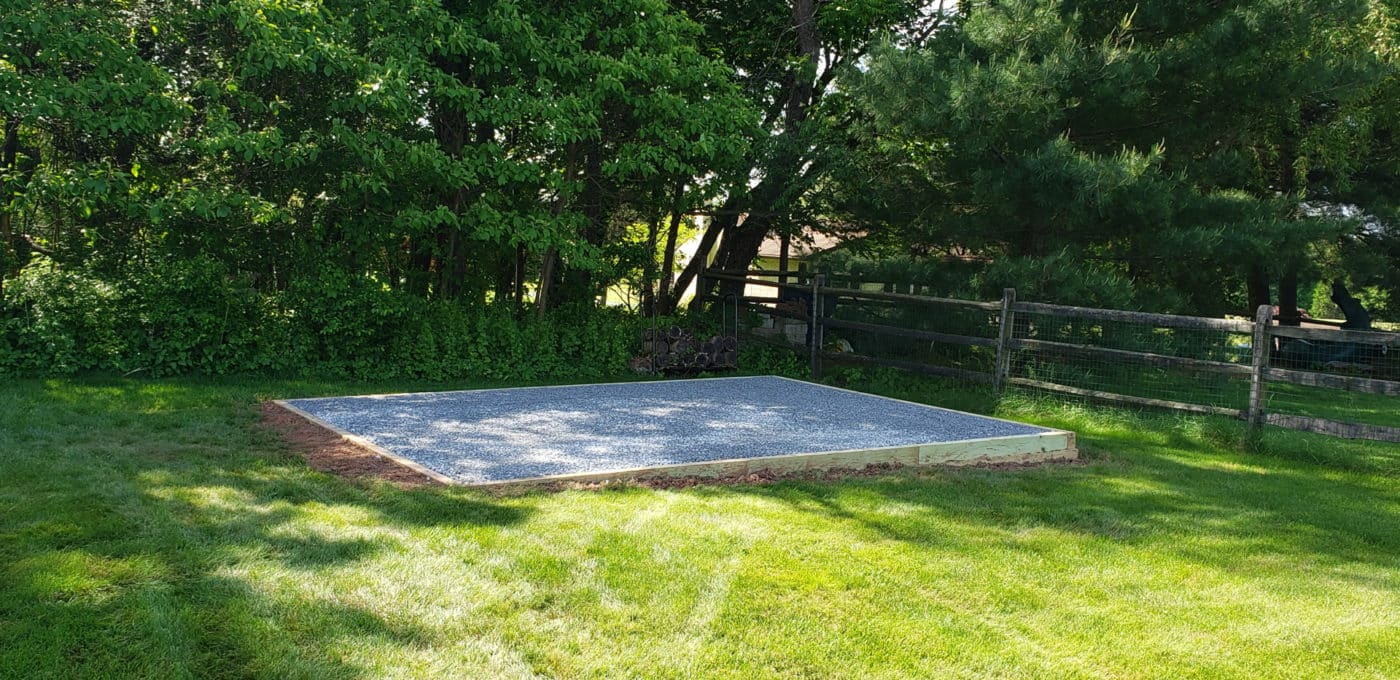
(496, 435)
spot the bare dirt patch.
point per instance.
(327, 451)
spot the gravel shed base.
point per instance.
(704, 427)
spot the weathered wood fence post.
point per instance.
(1005, 333)
(815, 328)
(1258, 376)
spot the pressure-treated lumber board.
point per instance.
(771, 340)
(745, 280)
(1024, 448)
(774, 311)
(1032, 448)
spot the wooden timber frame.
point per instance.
(1040, 447)
(1261, 331)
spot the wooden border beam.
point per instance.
(1049, 446)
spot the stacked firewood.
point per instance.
(676, 350)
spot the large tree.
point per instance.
(786, 58)
(1174, 143)
(448, 150)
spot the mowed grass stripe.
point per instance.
(152, 529)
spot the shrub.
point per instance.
(193, 316)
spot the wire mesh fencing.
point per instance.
(1330, 380)
(1185, 363)
(926, 334)
(1339, 381)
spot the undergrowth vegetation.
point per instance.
(193, 317)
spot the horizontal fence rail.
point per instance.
(1129, 355)
(1336, 382)
(932, 336)
(1184, 363)
(856, 293)
(1335, 428)
(1145, 318)
(1377, 338)
(912, 366)
(1127, 399)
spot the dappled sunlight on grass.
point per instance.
(154, 530)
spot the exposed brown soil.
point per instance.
(327, 451)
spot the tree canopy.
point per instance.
(1187, 149)
(322, 159)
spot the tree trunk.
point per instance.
(519, 284)
(9, 158)
(504, 275)
(804, 21)
(547, 264)
(1257, 285)
(580, 284)
(724, 222)
(784, 250)
(668, 256)
(420, 269)
(1288, 282)
(1288, 298)
(739, 250)
(649, 284)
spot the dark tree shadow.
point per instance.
(126, 520)
(1261, 504)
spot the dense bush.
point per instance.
(192, 317)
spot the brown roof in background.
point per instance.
(805, 245)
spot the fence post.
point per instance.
(814, 325)
(1260, 368)
(1005, 331)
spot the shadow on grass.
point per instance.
(131, 514)
(134, 517)
(1146, 481)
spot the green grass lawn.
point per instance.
(151, 529)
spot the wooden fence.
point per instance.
(1015, 329)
